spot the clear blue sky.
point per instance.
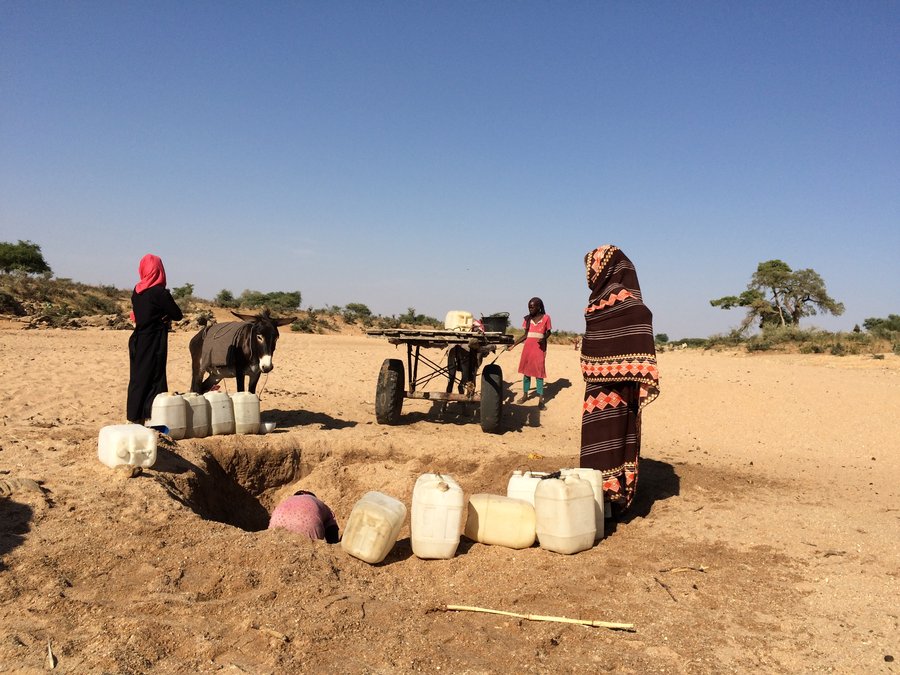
(458, 155)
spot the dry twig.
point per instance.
(537, 617)
(702, 568)
(666, 589)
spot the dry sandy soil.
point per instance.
(765, 535)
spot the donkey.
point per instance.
(233, 349)
(465, 359)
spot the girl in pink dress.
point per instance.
(537, 329)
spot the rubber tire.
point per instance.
(389, 392)
(491, 398)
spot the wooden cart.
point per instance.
(391, 388)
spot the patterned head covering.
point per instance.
(152, 273)
(618, 338)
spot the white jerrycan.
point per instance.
(501, 521)
(373, 527)
(564, 512)
(132, 444)
(436, 520)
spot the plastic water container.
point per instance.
(170, 410)
(221, 412)
(198, 412)
(522, 484)
(246, 412)
(564, 509)
(373, 527)
(595, 478)
(436, 518)
(500, 521)
(458, 319)
(132, 444)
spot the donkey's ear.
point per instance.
(284, 321)
(244, 317)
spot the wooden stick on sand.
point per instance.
(536, 617)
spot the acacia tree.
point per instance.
(24, 257)
(780, 296)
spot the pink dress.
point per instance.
(533, 355)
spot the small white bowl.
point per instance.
(266, 427)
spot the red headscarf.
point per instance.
(152, 273)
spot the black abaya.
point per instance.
(154, 309)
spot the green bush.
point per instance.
(695, 343)
(758, 345)
(313, 323)
(183, 292)
(278, 301)
(226, 299)
(9, 305)
(411, 318)
(883, 327)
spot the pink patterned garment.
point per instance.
(303, 514)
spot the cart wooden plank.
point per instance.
(439, 338)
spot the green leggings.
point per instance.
(538, 385)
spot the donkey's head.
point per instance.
(264, 335)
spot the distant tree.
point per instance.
(225, 298)
(780, 296)
(186, 291)
(278, 301)
(410, 318)
(661, 338)
(356, 311)
(283, 301)
(24, 257)
(883, 327)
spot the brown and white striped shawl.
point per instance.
(618, 339)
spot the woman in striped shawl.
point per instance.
(618, 362)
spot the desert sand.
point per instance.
(765, 537)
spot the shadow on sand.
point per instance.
(286, 419)
(658, 481)
(514, 417)
(15, 522)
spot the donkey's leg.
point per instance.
(196, 381)
(253, 379)
(239, 377)
(208, 383)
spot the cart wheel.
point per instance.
(389, 392)
(491, 398)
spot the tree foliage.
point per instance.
(225, 298)
(357, 311)
(277, 301)
(883, 327)
(412, 318)
(182, 292)
(780, 296)
(24, 257)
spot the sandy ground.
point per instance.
(765, 536)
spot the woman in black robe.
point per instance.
(153, 310)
